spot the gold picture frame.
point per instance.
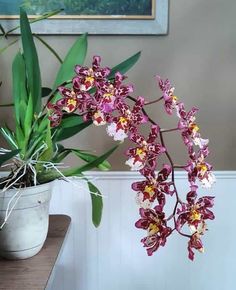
(156, 22)
(93, 16)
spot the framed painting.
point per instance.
(124, 17)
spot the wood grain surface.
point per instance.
(33, 273)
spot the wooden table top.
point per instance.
(33, 273)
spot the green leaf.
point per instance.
(76, 55)
(67, 132)
(46, 15)
(71, 120)
(34, 143)
(88, 157)
(61, 156)
(7, 156)
(46, 92)
(22, 109)
(20, 137)
(124, 66)
(8, 45)
(90, 165)
(18, 84)
(31, 61)
(29, 116)
(42, 123)
(97, 204)
(48, 153)
(39, 18)
(9, 137)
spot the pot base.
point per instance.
(22, 254)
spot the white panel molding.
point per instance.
(133, 175)
(112, 257)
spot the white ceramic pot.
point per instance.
(25, 231)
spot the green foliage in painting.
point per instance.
(91, 7)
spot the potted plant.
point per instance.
(35, 150)
(97, 95)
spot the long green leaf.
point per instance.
(83, 155)
(39, 18)
(29, 116)
(124, 66)
(67, 132)
(18, 84)
(90, 165)
(88, 157)
(22, 109)
(8, 45)
(76, 55)
(20, 138)
(48, 153)
(61, 156)
(97, 204)
(53, 174)
(71, 120)
(9, 137)
(42, 123)
(34, 143)
(31, 61)
(7, 156)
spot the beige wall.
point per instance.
(198, 55)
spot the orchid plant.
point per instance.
(103, 101)
(97, 95)
(35, 154)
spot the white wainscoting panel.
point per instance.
(112, 257)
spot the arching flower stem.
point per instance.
(169, 130)
(153, 102)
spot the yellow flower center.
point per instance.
(153, 229)
(194, 127)
(202, 168)
(123, 120)
(97, 114)
(175, 99)
(149, 189)
(89, 79)
(71, 102)
(195, 215)
(139, 151)
(107, 96)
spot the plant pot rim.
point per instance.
(27, 190)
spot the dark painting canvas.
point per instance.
(90, 8)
